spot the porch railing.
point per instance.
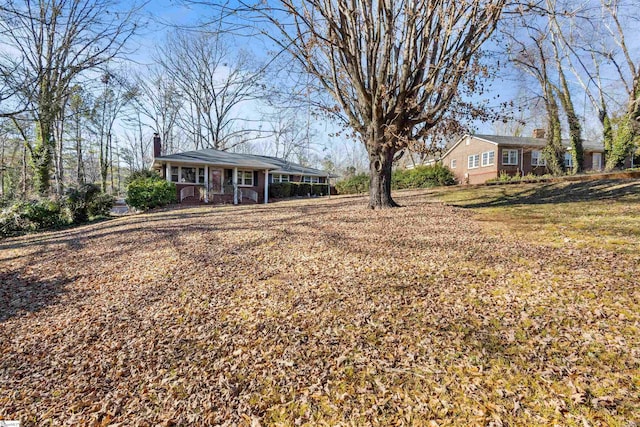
(249, 194)
(186, 192)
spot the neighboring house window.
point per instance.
(537, 159)
(174, 173)
(568, 160)
(188, 175)
(488, 158)
(474, 161)
(509, 157)
(453, 163)
(245, 178)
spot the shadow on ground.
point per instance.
(20, 294)
(553, 193)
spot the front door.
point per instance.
(597, 161)
(215, 180)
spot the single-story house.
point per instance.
(215, 176)
(475, 159)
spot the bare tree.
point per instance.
(394, 69)
(596, 39)
(159, 100)
(214, 83)
(288, 134)
(52, 42)
(628, 130)
(116, 94)
(530, 50)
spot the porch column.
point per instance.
(266, 186)
(234, 181)
(206, 183)
(168, 171)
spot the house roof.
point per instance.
(286, 167)
(210, 156)
(523, 141)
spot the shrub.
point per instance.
(141, 174)
(318, 189)
(354, 184)
(78, 200)
(422, 177)
(419, 177)
(304, 189)
(150, 192)
(100, 205)
(22, 217)
(281, 190)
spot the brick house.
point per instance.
(215, 176)
(475, 159)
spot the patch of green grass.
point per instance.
(593, 213)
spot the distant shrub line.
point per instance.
(530, 177)
(418, 177)
(78, 205)
(281, 190)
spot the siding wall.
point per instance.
(461, 153)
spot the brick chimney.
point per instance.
(157, 146)
(538, 133)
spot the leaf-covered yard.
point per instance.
(323, 312)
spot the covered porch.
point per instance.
(217, 184)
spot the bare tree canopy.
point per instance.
(214, 82)
(52, 42)
(394, 69)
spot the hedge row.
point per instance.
(419, 177)
(293, 189)
(77, 206)
(422, 177)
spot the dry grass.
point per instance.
(320, 313)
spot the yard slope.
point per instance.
(317, 312)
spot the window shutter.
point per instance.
(255, 178)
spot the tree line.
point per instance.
(396, 75)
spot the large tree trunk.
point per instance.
(554, 152)
(607, 130)
(41, 157)
(575, 130)
(380, 163)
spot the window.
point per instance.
(474, 161)
(568, 160)
(537, 159)
(174, 173)
(245, 178)
(188, 175)
(280, 178)
(488, 158)
(200, 175)
(310, 179)
(509, 157)
(453, 163)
